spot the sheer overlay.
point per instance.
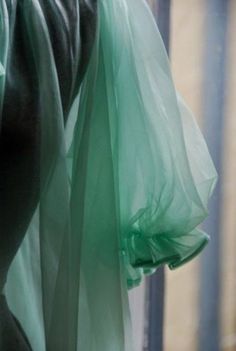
(128, 183)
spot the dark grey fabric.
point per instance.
(12, 337)
(20, 132)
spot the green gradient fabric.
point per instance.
(1, 70)
(129, 181)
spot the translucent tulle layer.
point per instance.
(1, 70)
(164, 174)
(129, 182)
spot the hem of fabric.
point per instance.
(173, 260)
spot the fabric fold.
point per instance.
(129, 183)
(165, 175)
(2, 70)
(146, 253)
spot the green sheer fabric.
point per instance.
(129, 181)
(1, 70)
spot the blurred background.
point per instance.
(194, 307)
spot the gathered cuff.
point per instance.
(145, 253)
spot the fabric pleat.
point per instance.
(4, 39)
(123, 186)
(2, 71)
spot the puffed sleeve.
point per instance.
(163, 173)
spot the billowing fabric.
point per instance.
(123, 185)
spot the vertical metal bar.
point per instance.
(213, 114)
(157, 281)
(156, 311)
(163, 20)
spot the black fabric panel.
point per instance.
(20, 132)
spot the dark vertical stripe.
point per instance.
(157, 281)
(163, 20)
(156, 311)
(213, 115)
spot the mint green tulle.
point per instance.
(123, 187)
(2, 71)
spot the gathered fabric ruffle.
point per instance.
(146, 253)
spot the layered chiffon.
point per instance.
(123, 185)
